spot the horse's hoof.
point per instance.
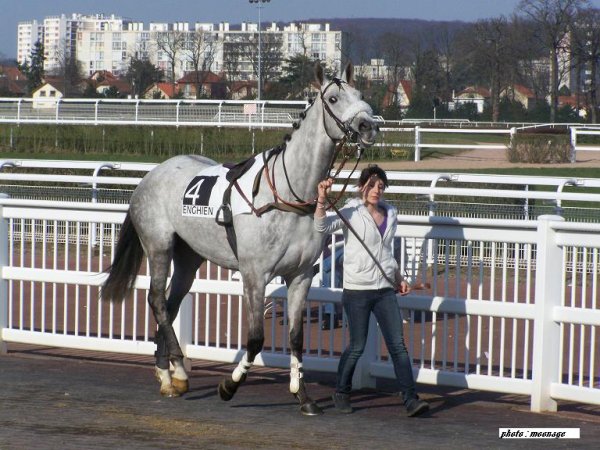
(169, 391)
(224, 393)
(181, 386)
(311, 409)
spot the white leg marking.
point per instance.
(164, 378)
(241, 369)
(295, 374)
(179, 371)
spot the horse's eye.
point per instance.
(332, 99)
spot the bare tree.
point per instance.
(393, 48)
(171, 43)
(445, 42)
(494, 53)
(232, 63)
(69, 70)
(270, 56)
(199, 50)
(552, 19)
(429, 79)
(586, 38)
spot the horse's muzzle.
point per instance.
(366, 129)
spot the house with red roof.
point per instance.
(477, 95)
(161, 90)
(243, 89)
(521, 94)
(12, 82)
(208, 83)
(400, 94)
(577, 102)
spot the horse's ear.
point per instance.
(348, 75)
(319, 75)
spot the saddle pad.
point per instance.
(203, 195)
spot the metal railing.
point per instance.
(525, 328)
(220, 113)
(421, 193)
(583, 131)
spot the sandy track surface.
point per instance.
(488, 159)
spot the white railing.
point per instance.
(583, 131)
(528, 327)
(82, 111)
(453, 184)
(419, 134)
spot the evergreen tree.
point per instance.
(34, 71)
(141, 74)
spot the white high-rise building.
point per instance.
(28, 33)
(109, 43)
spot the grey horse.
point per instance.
(288, 244)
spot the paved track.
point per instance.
(70, 402)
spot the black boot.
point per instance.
(342, 403)
(416, 407)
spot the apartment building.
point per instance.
(109, 43)
(28, 33)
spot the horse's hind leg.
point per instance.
(186, 263)
(159, 261)
(297, 291)
(254, 292)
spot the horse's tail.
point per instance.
(125, 266)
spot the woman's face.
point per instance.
(372, 191)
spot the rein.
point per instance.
(344, 145)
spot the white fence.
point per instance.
(419, 135)
(524, 323)
(577, 146)
(428, 187)
(256, 114)
(221, 113)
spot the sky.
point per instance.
(236, 11)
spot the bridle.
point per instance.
(347, 145)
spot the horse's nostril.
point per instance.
(364, 126)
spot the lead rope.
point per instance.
(415, 286)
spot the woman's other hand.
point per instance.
(403, 288)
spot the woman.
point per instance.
(366, 289)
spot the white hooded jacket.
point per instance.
(360, 271)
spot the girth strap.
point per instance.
(224, 215)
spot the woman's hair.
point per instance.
(368, 172)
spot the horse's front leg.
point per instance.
(297, 292)
(254, 292)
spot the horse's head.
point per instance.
(345, 114)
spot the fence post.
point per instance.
(417, 143)
(511, 141)
(182, 325)
(546, 335)
(362, 374)
(573, 144)
(3, 283)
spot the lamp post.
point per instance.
(260, 6)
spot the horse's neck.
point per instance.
(307, 157)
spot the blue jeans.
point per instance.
(358, 306)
